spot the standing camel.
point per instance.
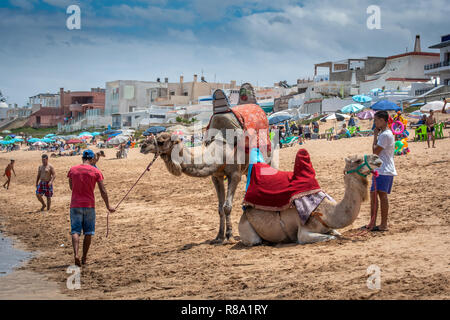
(212, 163)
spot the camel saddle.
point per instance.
(251, 118)
(274, 190)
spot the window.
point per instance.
(128, 92)
(172, 93)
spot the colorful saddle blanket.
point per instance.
(253, 121)
(274, 190)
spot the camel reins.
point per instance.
(146, 169)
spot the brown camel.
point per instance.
(211, 162)
(285, 226)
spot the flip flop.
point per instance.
(377, 229)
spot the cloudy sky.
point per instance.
(261, 41)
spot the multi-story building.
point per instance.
(441, 68)
(44, 100)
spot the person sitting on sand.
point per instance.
(8, 169)
(82, 180)
(343, 131)
(44, 182)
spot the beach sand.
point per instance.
(157, 245)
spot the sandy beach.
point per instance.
(157, 248)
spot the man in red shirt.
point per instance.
(82, 180)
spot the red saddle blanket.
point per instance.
(274, 190)
(254, 122)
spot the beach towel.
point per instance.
(274, 190)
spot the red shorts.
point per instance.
(45, 189)
(8, 174)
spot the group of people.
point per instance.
(82, 180)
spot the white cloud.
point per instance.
(23, 4)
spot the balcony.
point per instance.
(437, 65)
(76, 107)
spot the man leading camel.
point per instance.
(82, 180)
(44, 182)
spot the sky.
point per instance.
(259, 41)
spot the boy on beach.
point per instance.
(8, 169)
(82, 181)
(44, 182)
(430, 122)
(383, 146)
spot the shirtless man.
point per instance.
(430, 128)
(8, 169)
(44, 182)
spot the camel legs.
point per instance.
(305, 237)
(248, 235)
(220, 190)
(233, 181)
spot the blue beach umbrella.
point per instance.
(33, 140)
(154, 130)
(278, 119)
(47, 140)
(361, 98)
(385, 105)
(352, 108)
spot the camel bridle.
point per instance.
(362, 165)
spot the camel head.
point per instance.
(163, 143)
(357, 163)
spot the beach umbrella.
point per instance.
(50, 135)
(5, 142)
(118, 140)
(69, 137)
(352, 108)
(154, 130)
(274, 119)
(7, 138)
(6, 131)
(12, 135)
(433, 105)
(74, 141)
(335, 116)
(94, 134)
(33, 140)
(39, 143)
(114, 134)
(1, 138)
(110, 131)
(366, 114)
(18, 140)
(361, 98)
(416, 114)
(385, 105)
(47, 140)
(85, 137)
(19, 137)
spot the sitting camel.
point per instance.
(286, 226)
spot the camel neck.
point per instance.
(347, 210)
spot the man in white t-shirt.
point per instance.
(383, 146)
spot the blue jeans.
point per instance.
(82, 219)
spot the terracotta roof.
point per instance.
(48, 111)
(408, 79)
(431, 54)
(314, 101)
